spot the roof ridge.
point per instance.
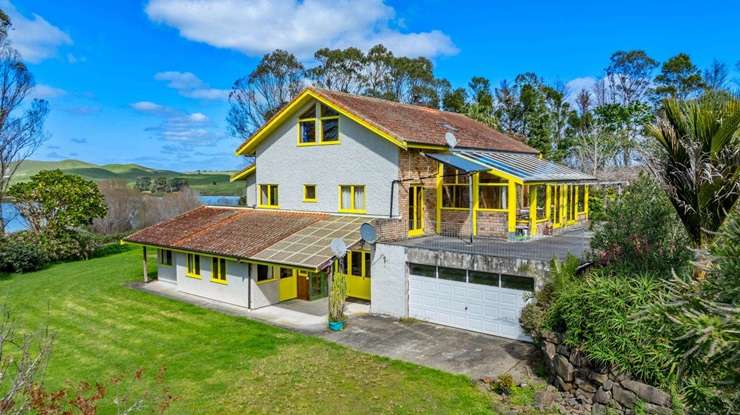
(209, 227)
(382, 100)
(168, 220)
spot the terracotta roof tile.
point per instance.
(231, 232)
(422, 125)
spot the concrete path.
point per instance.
(445, 348)
(440, 347)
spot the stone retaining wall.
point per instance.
(601, 389)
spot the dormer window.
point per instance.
(318, 125)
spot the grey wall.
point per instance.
(361, 158)
(264, 293)
(389, 282)
(167, 273)
(235, 292)
(250, 191)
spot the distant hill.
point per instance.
(207, 183)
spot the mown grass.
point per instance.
(214, 363)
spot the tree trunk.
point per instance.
(2, 218)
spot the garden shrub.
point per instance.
(641, 232)
(69, 244)
(22, 252)
(534, 312)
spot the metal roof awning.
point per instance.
(523, 166)
(457, 162)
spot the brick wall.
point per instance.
(414, 168)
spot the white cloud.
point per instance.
(35, 38)
(43, 91)
(189, 85)
(198, 117)
(255, 27)
(148, 106)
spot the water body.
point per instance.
(219, 200)
(14, 222)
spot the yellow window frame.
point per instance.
(218, 270)
(272, 277)
(363, 267)
(162, 257)
(353, 204)
(193, 260)
(270, 203)
(319, 128)
(482, 186)
(305, 193)
(459, 181)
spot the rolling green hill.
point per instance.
(207, 183)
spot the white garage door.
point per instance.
(484, 302)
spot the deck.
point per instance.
(575, 242)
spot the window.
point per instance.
(309, 192)
(263, 273)
(286, 272)
(423, 270)
(327, 122)
(307, 127)
(165, 257)
(581, 189)
(218, 270)
(540, 191)
(452, 274)
(329, 125)
(268, 195)
(484, 278)
(358, 264)
(193, 262)
(455, 189)
(492, 192)
(352, 198)
(516, 282)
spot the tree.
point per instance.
(55, 201)
(699, 163)
(20, 134)
(453, 100)
(715, 76)
(594, 149)
(508, 109)
(276, 80)
(339, 70)
(679, 78)
(481, 93)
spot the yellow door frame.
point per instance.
(288, 286)
(358, 286)
(416, 196)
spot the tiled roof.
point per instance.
(422, 125)
(230, 232)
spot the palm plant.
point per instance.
(698, 162)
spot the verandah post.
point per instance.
(532, 210)
(146, 265)
(512, 207)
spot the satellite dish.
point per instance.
(368, 233)
(451, 140)
(338, 247)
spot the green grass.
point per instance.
(206, 183)
(214, 363)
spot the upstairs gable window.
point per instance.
(317, 125)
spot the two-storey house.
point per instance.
(466, 217)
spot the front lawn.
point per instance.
(214, 363)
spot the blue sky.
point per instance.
(146, 81)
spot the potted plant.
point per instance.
(337, 299)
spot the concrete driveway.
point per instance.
(440, 347)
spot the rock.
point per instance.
(577, 358)
(550, 349)
(623, 396)
(544, 399)
(563, 368)
(488, 379)
(562, 385)
(607, 385)
(587, 387)
(602, 396)
(551, 337)
(583, 397)
(599, 378)
(648, 393)
(657, 410)
(599, 409)
(563, 350)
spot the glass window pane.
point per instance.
(222, 268)
(516, 282)
(346, 197)
(328, 112)
(485, 278)
(274, 195)
(264, 194)
(492, 197)
(452, 274)
(423, 270)
(263, 272)
(330, 130)
(286, 272)
(309, 113)
(308, 131)
(368, 264)
(356, 263)
(461, 196)
(310, 192)
(359, 197)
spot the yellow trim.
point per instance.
(358, 286)
(585, 200)
(532, 210)
(511, 201)
(438, 205)
(318, 128)
(497, 172)
(352, 199)
(475, 197)
(244, 173)
(188, 266)
(215, 271)
(269, 204)
(271, 270)
(419, 189)
(426, 147)
(250, 144)
(548, 201)
(315, 195)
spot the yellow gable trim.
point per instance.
(297, 103)
(244, 173)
